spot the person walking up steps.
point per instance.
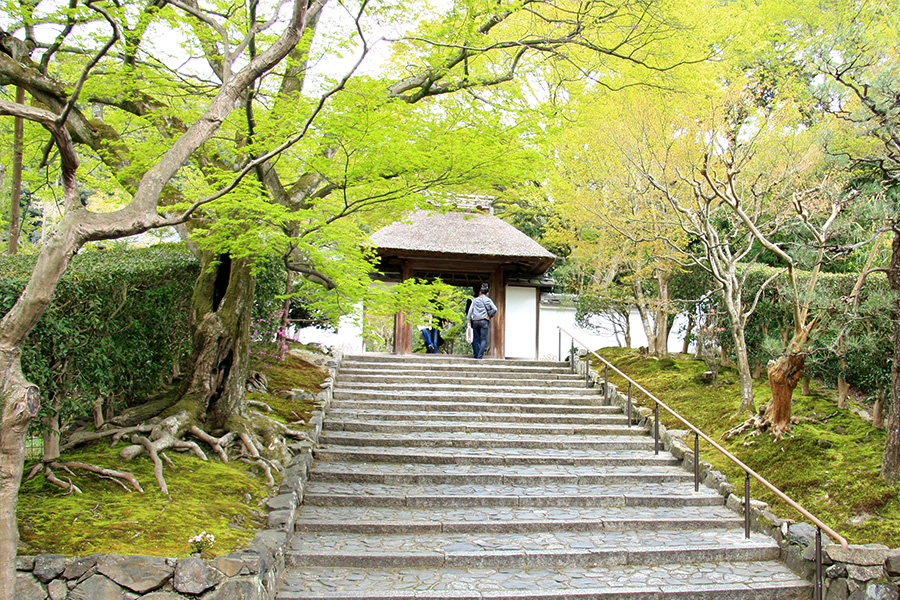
(481, 311)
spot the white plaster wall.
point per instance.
(348, 338)
(521, 322)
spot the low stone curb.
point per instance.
(862, 572)
(251, 573)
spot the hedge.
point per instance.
(118, 324)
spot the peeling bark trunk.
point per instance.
(50, 437)
(890, 465)
(21, 401)
(784, 374)
(685, 346)
(222, 305)
(805, 385)
(745, 375)
(843, 385)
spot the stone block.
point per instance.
(282, 520)
(238, 589)
(286, 501)
(48, 567)
(25, 563)
(194, 576)
(792, 556)
(77, 567)
(58, 590)
(163, 596)
(862, 574)
(876, 591)
(139, 574)
(836, 589)
(836, 572)
(97, 587)
(29, 588)
(892, 563)
(801, 534)
(735, 503)
(864, 555)
(230, 567)
(290, 484)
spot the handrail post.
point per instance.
(587, 369)
(572, 355)
(559, 345)
(629, 404)
(656, 428)
(746, 505)
(696, 462)
(818, 563)
(605, 384)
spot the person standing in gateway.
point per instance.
(481, 311)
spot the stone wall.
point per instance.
(862, 572)
(251, 573)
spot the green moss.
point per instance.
(829, 463)
(224, 499)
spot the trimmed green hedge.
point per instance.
(118, 325)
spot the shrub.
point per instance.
(118, 325)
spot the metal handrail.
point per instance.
(748, 472)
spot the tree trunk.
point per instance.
(50, 436)
(21, 401)
(784, 374)
(685, 346)
(16, 191)
(805, 385)
(890, 465)
(222, 306)
(843, 385)
(744, 373)
(661, 317)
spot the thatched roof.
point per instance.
(462, 234)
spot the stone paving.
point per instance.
(440, 494)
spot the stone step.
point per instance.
(466, 405)
(762, 580)
(495, 388)
(460, 426)
(527, 550)
(493, 456)
(454, 479)
(321, 493)
(425, 474)
(376, 520)
(630, 439)
(438, 361)
(373, 415)
(457, 376)
(485, 395)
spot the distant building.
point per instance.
(466, 248)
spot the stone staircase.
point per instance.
(456, 479)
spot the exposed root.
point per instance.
(84, 437)
(253, 451)
(102, 472)
(283, 429)
(66, 485)
(217, 444)
(259, 404)
(757, 423)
